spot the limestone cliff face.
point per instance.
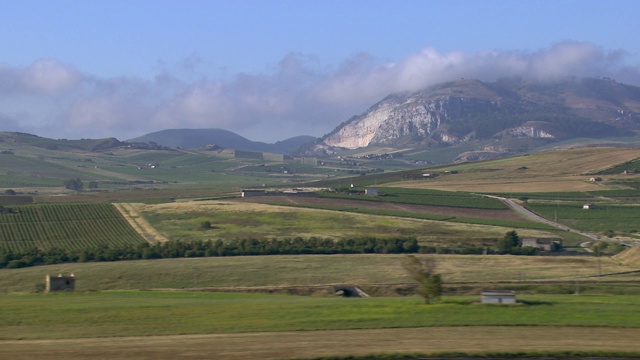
(421, 116)
(466, 110)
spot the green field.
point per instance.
(65, 226)
(108, 314)
(428, 197)
(602, 218)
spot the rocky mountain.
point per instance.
(191, 138)
(467, 111)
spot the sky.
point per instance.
(273, 69)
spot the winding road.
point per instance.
(535, 217)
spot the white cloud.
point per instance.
(43, 76)
(297, 96)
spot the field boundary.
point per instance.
(139, 224)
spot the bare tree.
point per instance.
(423, 271)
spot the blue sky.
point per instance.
(271, 69)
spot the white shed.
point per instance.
(371, 191)
(498, 297)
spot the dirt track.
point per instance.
(312, 201)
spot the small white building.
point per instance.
(498, 297)
(371, 191)
(588, 206)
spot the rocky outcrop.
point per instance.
(468, 110)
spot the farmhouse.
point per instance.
(543, 244)
(498, 297)
(247, 193)
(60, 283)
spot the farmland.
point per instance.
(242, 219)
(236, 307)
(244, 272)
(64, 226)
(241, 326)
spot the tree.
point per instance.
(74, 184)
(423, 271)
(508, 243)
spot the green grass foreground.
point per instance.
(119, 314)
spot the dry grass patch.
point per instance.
(256, 271)
(232, 219)
(313, 344)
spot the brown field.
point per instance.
(314, 344)
(506, 214)
(141, 226)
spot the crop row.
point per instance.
(67, 226)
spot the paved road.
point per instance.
(535, 217)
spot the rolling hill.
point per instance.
(192, 138)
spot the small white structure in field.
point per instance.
(498, 297)
(588, 206)
(371, 191)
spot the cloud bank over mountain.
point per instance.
(297, 96)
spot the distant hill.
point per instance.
(59, 144)
(191, 138)
(503, 116)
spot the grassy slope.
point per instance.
(566, 170)
(265, 271)
(242, 220)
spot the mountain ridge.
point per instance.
(468, 110)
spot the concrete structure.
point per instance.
(543, 244)
(349, 291)
(60, 283)
(588, 206)
(371, 191)
(247, 193)
(498, 297)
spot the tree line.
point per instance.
(181, 249)
(509, 244)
